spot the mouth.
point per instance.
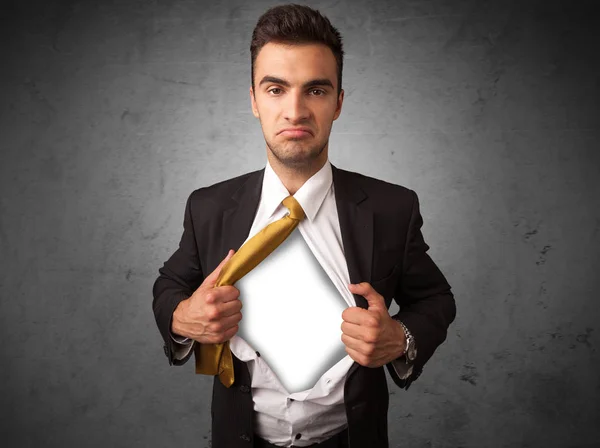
(296, 133)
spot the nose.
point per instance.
(295, 109)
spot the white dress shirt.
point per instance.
(315, 414)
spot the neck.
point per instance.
(293, 177)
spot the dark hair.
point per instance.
(296, 24)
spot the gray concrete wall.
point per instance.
(113, 112)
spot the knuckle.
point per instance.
(212, 314)
(210, 297)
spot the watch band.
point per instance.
(410, 341)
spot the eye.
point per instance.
(273, 90)
(319, 91)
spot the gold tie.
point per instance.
(216, 359)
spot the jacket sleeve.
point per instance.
(427, 305)
(179, 277)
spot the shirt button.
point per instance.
(244, 388)
(298, 436)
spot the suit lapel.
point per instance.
(239, 214)
(356, 225)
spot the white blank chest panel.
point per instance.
(292, 314)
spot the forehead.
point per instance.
(296, 62)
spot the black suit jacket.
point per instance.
(380, 226)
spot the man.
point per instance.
(372, 226)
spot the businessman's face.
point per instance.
(296, 87)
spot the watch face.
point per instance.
(411, 353)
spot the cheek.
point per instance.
(325, 123)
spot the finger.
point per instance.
(351, 330)
(219, 338)
(364, 347)
(231, 332)
(356, 356)
(230, 308)
(358, 316)
(226, 323)
(375, 300)
(225, 293)
(225, 330)
(350, 342)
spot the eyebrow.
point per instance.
(283, 82)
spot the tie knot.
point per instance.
(294, 207)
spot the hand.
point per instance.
(210, 315)
(372, 338)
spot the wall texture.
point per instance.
(112, 112)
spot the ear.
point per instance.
(338, 109)
(253, 103)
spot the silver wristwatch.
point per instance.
(410, 352)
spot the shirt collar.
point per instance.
(310, 195)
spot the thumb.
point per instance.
(375, 300)
(214, 275)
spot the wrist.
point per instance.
(410, 348)
(178, 319)
(402, 339)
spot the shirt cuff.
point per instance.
(402, 369)
(179, 339)
(182, 346)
